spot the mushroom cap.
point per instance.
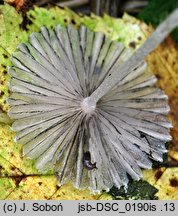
(53, 76)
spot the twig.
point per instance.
(73, 4)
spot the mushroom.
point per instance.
(76, 92)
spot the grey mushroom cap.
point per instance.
(53, 76)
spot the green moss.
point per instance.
(157, 11)
(137, 190)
